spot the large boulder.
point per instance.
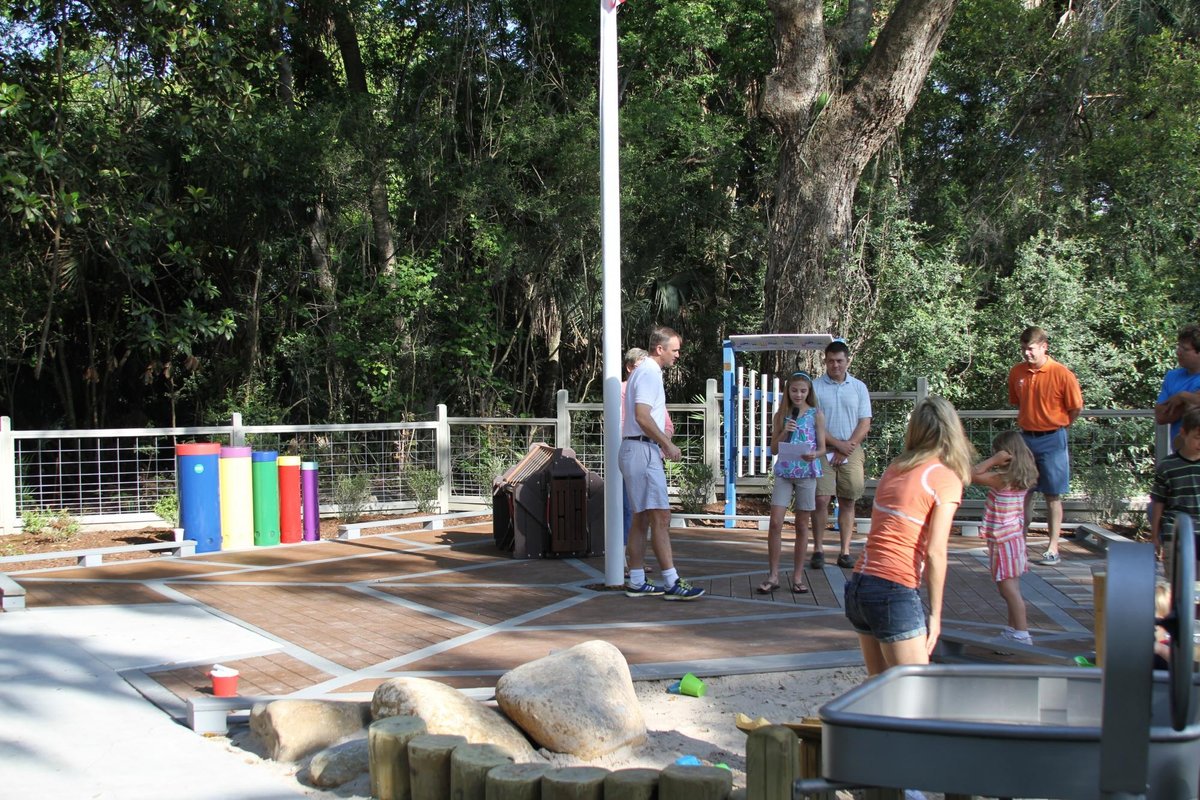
(292, 729)
(447, 710)
(579, 701)
(339, 764)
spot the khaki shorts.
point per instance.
(844, 480)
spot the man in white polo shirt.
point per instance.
(644, 443)
(847, 406)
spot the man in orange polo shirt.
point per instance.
(1048, 400)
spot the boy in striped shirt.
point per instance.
(1176, 488)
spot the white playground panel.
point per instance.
(750, 400)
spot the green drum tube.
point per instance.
(266, 497)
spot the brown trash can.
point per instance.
(549, 505)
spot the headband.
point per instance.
(801, 375)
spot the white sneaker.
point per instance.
(1017, 637)
(1010, 637)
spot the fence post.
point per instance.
(712, 435)
(922, 388)
(1162, 442)
(237, 437)
(441, 442)
(8, 478)
(562, 428)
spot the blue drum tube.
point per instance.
(200, 493)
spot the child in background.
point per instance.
(796, 421)
(1176, 487)
(1009, 474)
(1162, 639)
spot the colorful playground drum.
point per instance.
(266, 497)
(237, 501)
(289, 499)
(200, 494)
(311, 502)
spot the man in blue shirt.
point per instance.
(1181, 386)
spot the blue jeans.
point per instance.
(1053, 461)
(886, 610)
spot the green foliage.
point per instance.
(189, 199)
(487, 466)
(426, 484)
(695, 482)
(58, 525)
(167, 508)
(1108, 470)
(351, 493)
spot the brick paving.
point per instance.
(347, 615)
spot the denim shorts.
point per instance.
(1053, 461)
(884, 609)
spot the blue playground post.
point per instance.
(200, 493)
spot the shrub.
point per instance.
(425, 485)
(695, 483)
(351, 493)
(167, 507)
(57, 525)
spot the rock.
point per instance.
(339, 764)
(448, 711)
(292, 729)
(579, 701)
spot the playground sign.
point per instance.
(749, 399)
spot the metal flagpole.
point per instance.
(610, 242)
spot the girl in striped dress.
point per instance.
(1009, 474)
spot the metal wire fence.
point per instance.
(118, 476)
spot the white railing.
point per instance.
(115, 477)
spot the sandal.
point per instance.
(799, 588)
(766, 587)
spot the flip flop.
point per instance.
(766, 587)
(799, 588)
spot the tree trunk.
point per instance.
(830, 128)
(356, 81)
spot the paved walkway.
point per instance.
(336, 618)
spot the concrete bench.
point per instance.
(953, 642)
(974, 527)
(353, 530)
(207, 714)
(12, 594)
(1101, 536)
(680, 520)
(95, 556)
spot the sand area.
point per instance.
(678, 725)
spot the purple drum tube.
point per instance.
(310, 502)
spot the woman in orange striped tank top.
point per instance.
(915, 503)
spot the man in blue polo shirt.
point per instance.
(1181, 386)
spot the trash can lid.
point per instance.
(235, 452)
(264, 455)
(289, 461)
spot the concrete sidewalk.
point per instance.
(74, 728)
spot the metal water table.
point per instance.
(1124, 731)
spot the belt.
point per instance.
(1041, 433)
(640, 439)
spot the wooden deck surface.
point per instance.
(446, 604)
